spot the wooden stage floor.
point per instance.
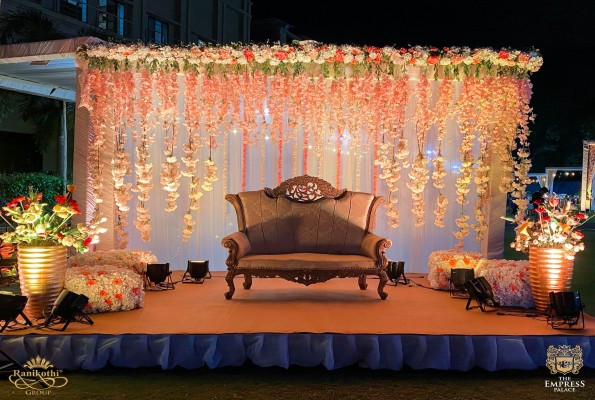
(336, 306)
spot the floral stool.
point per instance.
(109, 288)
(441, 262)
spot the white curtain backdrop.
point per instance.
(410, 244)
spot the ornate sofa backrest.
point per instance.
(305, 215)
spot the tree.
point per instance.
(26, 25)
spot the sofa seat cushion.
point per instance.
(313, 261)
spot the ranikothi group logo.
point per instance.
(39, 377)
(564, 360)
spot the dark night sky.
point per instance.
(564, 92)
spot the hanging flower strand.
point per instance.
(419, 172)
(467, 120)
(441, 114)
(192, 123)
(143, 169)
(98, 102)
(121, 91)
(167, 92)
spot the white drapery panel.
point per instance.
(410, 244)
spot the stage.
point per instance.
(276, 322)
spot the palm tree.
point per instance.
(26, 25)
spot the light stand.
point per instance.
(11, 306)
(158, 277)
(196, 272)
(68, 308)
(395, 270)
(456, 285)
(11, 363)
(479, 289)
(565, 308)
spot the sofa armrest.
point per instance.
(373, 246)
(238, 246)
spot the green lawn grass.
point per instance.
(251, 382)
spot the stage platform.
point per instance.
(334, 324)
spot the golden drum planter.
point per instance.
(41, 276)
(550, 272)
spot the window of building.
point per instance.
(158, 31)
(113, 18)
(74, 8)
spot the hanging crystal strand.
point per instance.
(225, 152)
(358, 162)
(262, 158)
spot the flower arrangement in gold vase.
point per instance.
(42, 239)
(552, 241)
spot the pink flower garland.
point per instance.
(441, 113)
(122, 89)
(98, 101)
(419, 174)
(467, 117)
(167, 92)
(192, 123)
(143, 169)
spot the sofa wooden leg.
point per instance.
(383, 280)
(362, 282)
(247, 281)
(229, 279)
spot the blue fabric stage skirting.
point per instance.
(333, 351)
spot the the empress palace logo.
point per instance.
(38, 377)
(564, 359)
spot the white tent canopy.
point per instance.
(42, 68)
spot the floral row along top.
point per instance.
(555, 227)
(276, 57)
(35, 226)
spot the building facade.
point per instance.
(158, 21)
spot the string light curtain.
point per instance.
(176, 120)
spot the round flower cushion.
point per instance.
(136, 260)
(441, 262)
(108, 287)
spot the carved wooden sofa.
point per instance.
(307, 232)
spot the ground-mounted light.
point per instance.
(68, 308)
(196, 272)
(480, 290)
(458, 277)
(158, 277)
(395, 270)
(11, 306)
(565, 308)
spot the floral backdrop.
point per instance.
(386, 116)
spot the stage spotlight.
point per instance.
(458, 277)
(68, 308)
(565, 308)
(159, 277)
(479, 289)
(196, 272)
(395, 270)
(11, 306)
